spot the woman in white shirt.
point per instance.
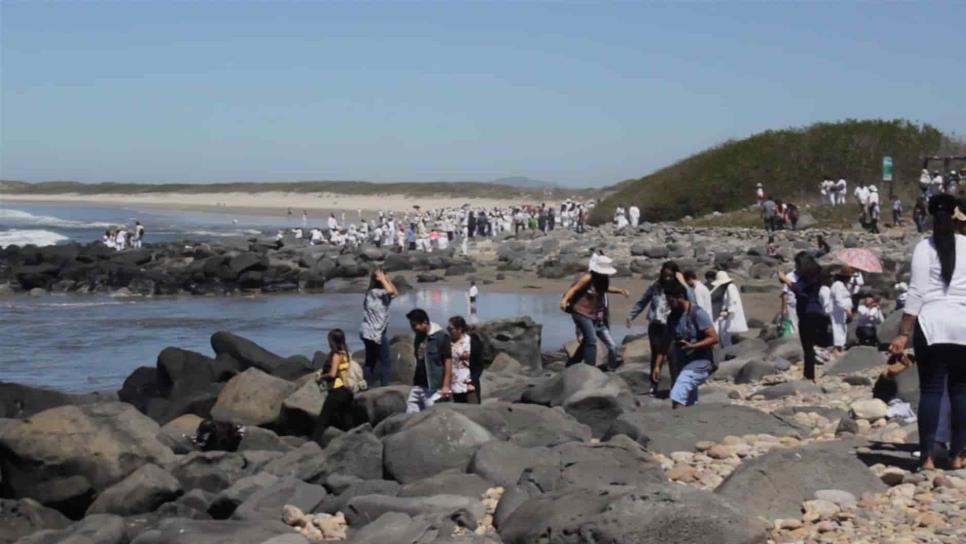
(731, 319)
(841, 309)
(937, 306)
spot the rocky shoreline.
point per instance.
(267, 265)
(553, 453)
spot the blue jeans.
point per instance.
(376, 369)
(687, 379)
(942, 369)
(589, 330)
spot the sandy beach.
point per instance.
(266, 203)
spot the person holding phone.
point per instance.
(691, 338)
(375, 324)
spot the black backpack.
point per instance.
(218, 436)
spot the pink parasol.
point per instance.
(860, 259)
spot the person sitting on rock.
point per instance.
(690, 336)
(869, 316)
(433, 351)
(467, 361)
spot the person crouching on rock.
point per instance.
(434, 363)
(467, 361)
(691, 336)
(337, 408)
(586, 302)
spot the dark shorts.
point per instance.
(656, 334)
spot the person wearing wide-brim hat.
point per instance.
(586, 302)
(731, 318)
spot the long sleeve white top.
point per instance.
(868, 317)
(941, 309)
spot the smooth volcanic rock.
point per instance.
(144, 490)
(434, 441)
(252, 398)
(517, 337)
(22, 517)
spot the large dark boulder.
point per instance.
(182, 372)
(645, 515)
(142, 491)
(431, 442)
(190, 531)
(774, 485)
(526, 425)
(266, 503)
(224, 503)
(356, 453)
(666, 431)
(379, 403)
(583, 391)
(20, 401)
(337, 503)
(140, 387)
(858, 359)
(435, 528)
(211, 471)
(94, 529)
(97, 445)
(367, 508)
(249, 354)
(248, 261)
(517, 337)
(454, 483)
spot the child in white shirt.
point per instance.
(869, 316)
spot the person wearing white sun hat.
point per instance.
(586, 302)
(731, 318)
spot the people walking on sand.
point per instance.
(467, 362)
(375, 326)
(933, 317)
(655, 301)
(691, 337)
(812, 319)
(841, 309)
(334, 376)
(586, 302)
(731, 318)
(433, 351)
(702, 295)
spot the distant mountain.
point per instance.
(525, 182)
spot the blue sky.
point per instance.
(579, 93)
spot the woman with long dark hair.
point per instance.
(936, 309)
(812, 318)
(586, 302)
(375, 324)
(337, 408)
(467, 362)
(655, 301)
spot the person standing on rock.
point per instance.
(433, 351)
(375, 325)
(690, 336)
(337, 408)
(936, 306)
(731, 318)
(841, 309)
(634, 214)
(586, 302)
(467, 362)
(657, 311)
(812, 320)
(702, 295)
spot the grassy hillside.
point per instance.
(790, 163)
(467, 189)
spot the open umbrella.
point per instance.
(860, 259)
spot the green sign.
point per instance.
(887, 168)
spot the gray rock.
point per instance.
(306, 463)
(19, 518)
(421, 529)
(775, 485)
(189, 531)
(211, 471)
(503, 462)
(517, 337)
(142, 491)
(101, 443)
(267, 502)
(20, 401)
(356, 453)
(667, 431)
(592, 397)
(857, 359)
(754, 371)
(433, 441)
(337, 503)
(94, 529)
(453, 483)
(789, 389)
(367, 508)
(647, 515)
(258, 439)
(526, 425)
(252, 398)
(224, 503)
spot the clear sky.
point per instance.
(579, 93)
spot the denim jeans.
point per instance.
(421, 398)
(589, 330)
(377, 366)
(687, 380)
(942, 369)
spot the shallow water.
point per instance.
(90, 342)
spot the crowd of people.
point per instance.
(121, 238)
(436, 229)
(776, 214)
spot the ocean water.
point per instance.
(89, 343)
(53, 223)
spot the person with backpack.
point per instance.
(467, 361)
(690, 336)
(342, 377)
(433, 350)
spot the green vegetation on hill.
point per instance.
(790, 163)
(467, 189)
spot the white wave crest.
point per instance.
(22, 237)
(20, 217)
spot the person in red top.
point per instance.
(586, 302)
